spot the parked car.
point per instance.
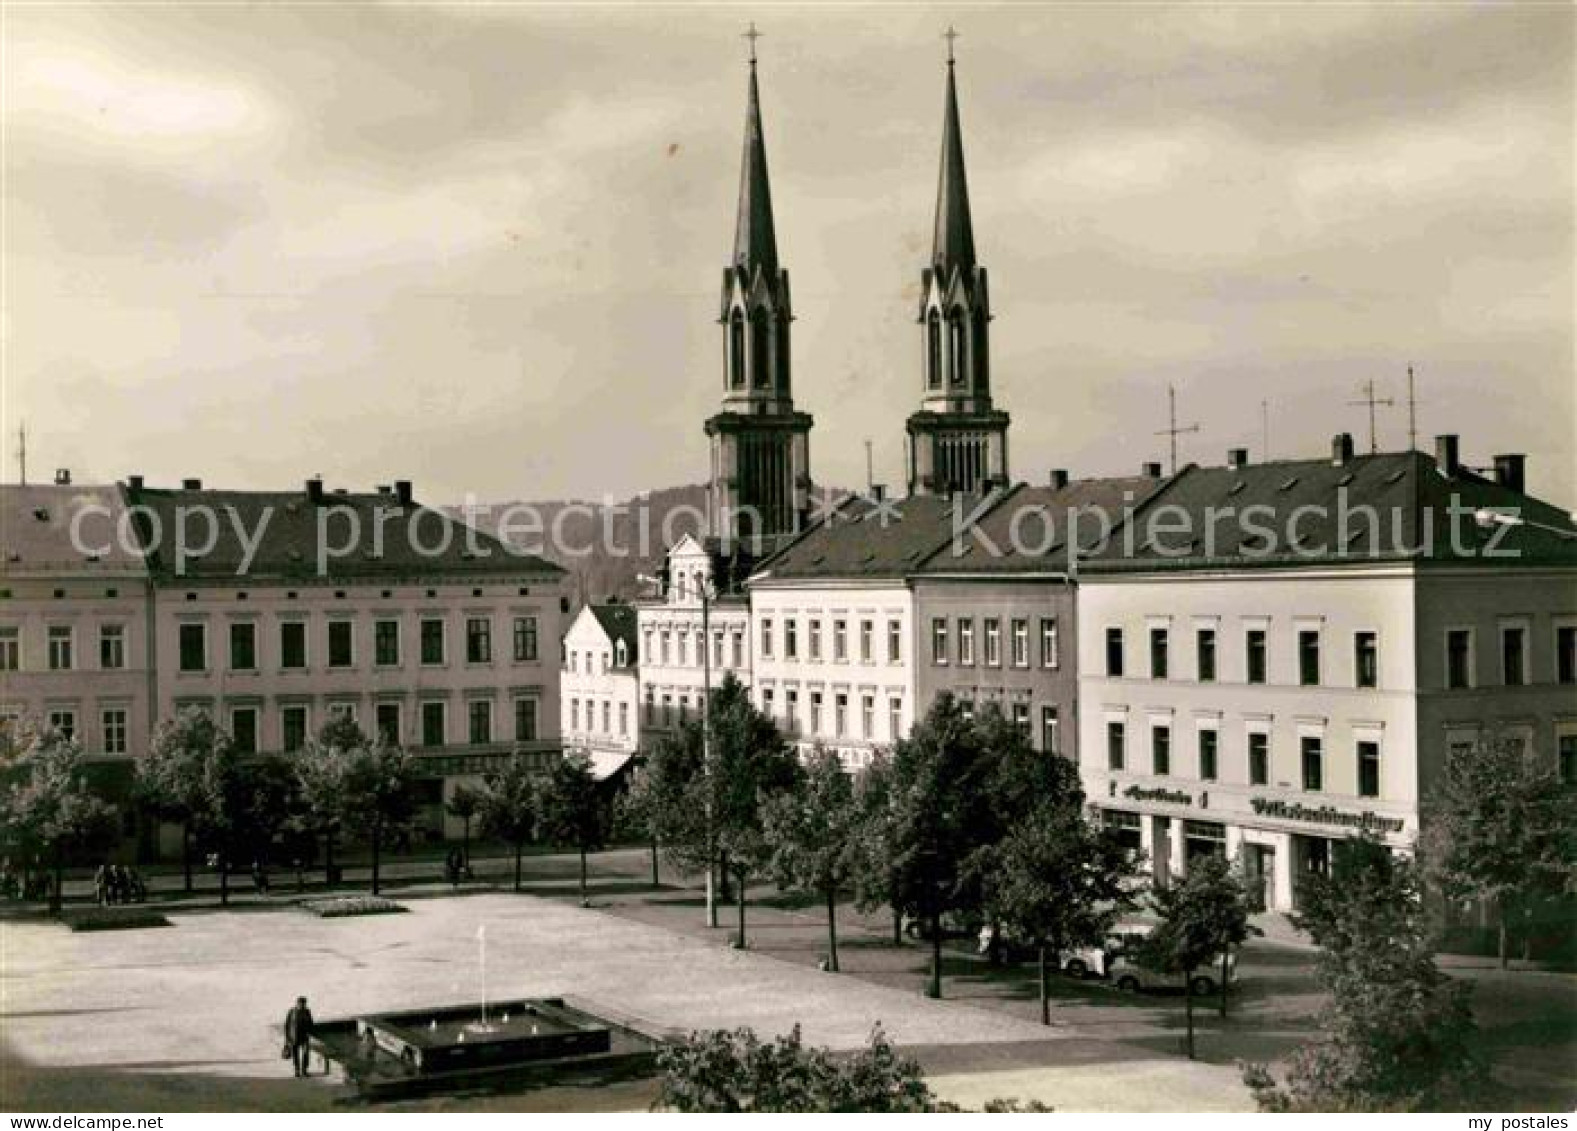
(1129, 975)
(954, 926)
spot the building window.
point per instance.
(1114, 651)
(717, 649)
(433, 724)
(668, 708)
(624, 720)
(526, 640)
(1368, 769)
(1207, 755)
(1309, 657)
(1158, 653)
(840, 714)
(766, 638)
(1366, 659)
(60, 648)
(386, 717)
(243, 647)
(867, 716)
(1566, 654)
(1313, 763)
(1020, 643)
(112, 722)
(1254, 655)
(193, 640)
(840, 640)
(1116, 746)
(478, 640)
(1258, 758)
(790, 638)
(1161, 750)
(1050, 646)
(479, 713)
(1205, 650)
(939, 640)
(1050, 731)
(341, 650)
(664, 638)
(966, 641)
(791, 709)
(10, 648)
(243, 729)
(813, 640)
(432, 642)
(112, 647)
(933, 348)
(894, 718)
(894, 642)
(65, 722)
(1566, 752)
(1459, 657)
(574, 715)
(736, 645)
(815, 712)
(293, 645)
(607, 717)
(768, 702)
(651, 707)
(867, 632)
(1021, 721)
(993, 635)
(293, 728)
(386, 643)
(1513, 655)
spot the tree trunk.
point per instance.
(328, 858)
(935, 989)
(465, 845)
(832, 929)
(1503, 939)
(1188, 1008)
(57, 892)
(186, 854)
(224, 880)
(377, 852)
(656, 878)
(897, 926)
(583, 874)
(1225, 970)
(517, 866)
(1045, 987)
(741, 875)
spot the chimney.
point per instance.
(314, 491)
(1446, 458)
(1152, 471)
(402, 491)
(1341, 449)
(1059, 478)
(878, 492)
(191, 484)
(384, 489)
(62, 477)
(134, 482)
(1511, 472)
(1237, 457)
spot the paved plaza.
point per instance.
(192, 1011)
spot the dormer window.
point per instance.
(736, 349)
(933, 348)
(620, 655)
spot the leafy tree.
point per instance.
(464, 804)
(721, 1071)
(47, 805)
(1398, 1035)
(570, 809)
(322, 772)
(1061, 883)
(252, 803)
(379, 797)
(1201, 917)
(1500, 827)
(171, 779)
(633, 816)
(814, 833)
(509, 808)
(875, 876)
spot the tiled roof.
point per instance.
(384, 538)
(1386, 507)
(36, 529)
(618, 621)
(868, 539)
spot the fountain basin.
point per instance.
(453, 1039)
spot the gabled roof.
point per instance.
(1386, 507)
(618, 622)
(36, 530)
(868, 539)
(385, 539)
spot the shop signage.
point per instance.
(1325, 815)
(1169, 796)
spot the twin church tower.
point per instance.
(760, 445)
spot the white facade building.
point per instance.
(600, 699)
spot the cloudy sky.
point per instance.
(481, 247)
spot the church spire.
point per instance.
(955, 237)
(755, 242)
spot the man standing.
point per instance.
(298, 1035)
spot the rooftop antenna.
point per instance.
(1172, 431)
(1264, 430)
(1412, 413)
(870, 474)
(1371, 400)
(21, 452)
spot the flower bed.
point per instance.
(343, 906)
(114, 919)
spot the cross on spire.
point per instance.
(752, 35)
(949, 35)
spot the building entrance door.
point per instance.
(1260, 861)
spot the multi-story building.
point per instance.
(76, 644)
(695, 628)
(600, 698)
(1274, 656)
(277, 610)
